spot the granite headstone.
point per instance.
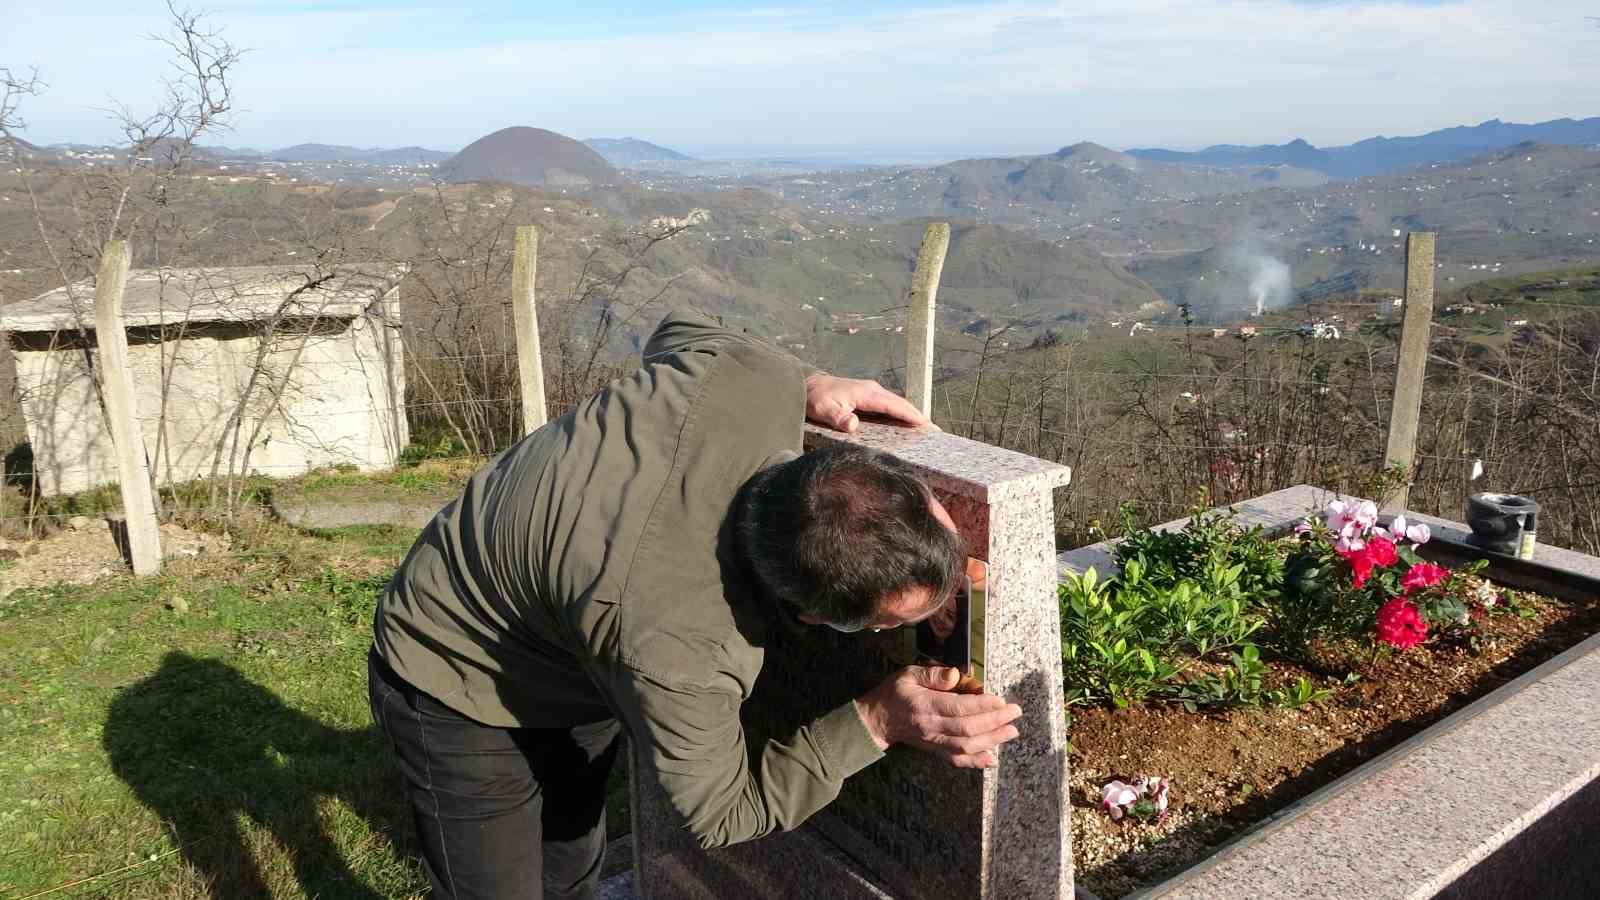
(910, 826)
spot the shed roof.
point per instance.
(237, 294)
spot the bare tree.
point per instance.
(600, 305)
(463, 368)
(13, 88)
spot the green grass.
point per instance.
(414, 480)
(428, 477)
(206, 732)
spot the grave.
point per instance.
(1503, 794)
(911, 827)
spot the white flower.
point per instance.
(1337, 514)
(1485, 594)
(1366, 515)
(1419, 533)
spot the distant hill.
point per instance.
(531, 156)
(403, 155)
(1524, 208)
(374, 156)
(1383, 155)
(1295, 153)
(25, 150)
(228, 152)
(317, 153)
(1055, 192)
(631, 152)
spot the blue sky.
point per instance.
(861, 78)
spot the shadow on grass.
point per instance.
(205, 748)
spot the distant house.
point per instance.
(301, 367)
(1219, 332)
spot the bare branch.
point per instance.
(13, 88)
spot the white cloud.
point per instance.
(1179, 72)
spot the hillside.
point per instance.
(814, 283)
(628, 153)
(1384, 155)
(529, 156)
(1527, 208)
(1050, 194)
(336, 153)
(835, 293)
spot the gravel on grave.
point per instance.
(1232, 768)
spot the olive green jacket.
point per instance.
(589, 571)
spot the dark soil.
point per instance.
(1232, 768)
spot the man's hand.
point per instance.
(917, 706)
(834, 402)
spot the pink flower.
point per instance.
(1338, 514)
(1155, 788)
(1302, 528)
(1146, 797)
(1400, 624)
(1422, 576)
(1348, 545)
(1382, 551)
(1419, 533)
(1115, 797)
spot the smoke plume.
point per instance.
(1267, 277)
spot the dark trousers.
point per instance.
(500, 812)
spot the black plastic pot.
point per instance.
(1503, 523)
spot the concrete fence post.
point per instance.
(1410, 368)
(919, 334)
(525, 315)
(116, 379)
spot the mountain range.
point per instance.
(1386, 155)
(1050, 194)
(299, 153)
(1289, 164)
(373, 156)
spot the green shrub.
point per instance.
(1106, 654)
(1209, 544)
(1128, 638)
(1200, 594)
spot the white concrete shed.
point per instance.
(268, 369)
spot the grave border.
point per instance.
(1469, 742)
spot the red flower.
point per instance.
(1361, 569)
(1423, 575)
(1400, 625)
(1382, 551)
(1360, 565)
